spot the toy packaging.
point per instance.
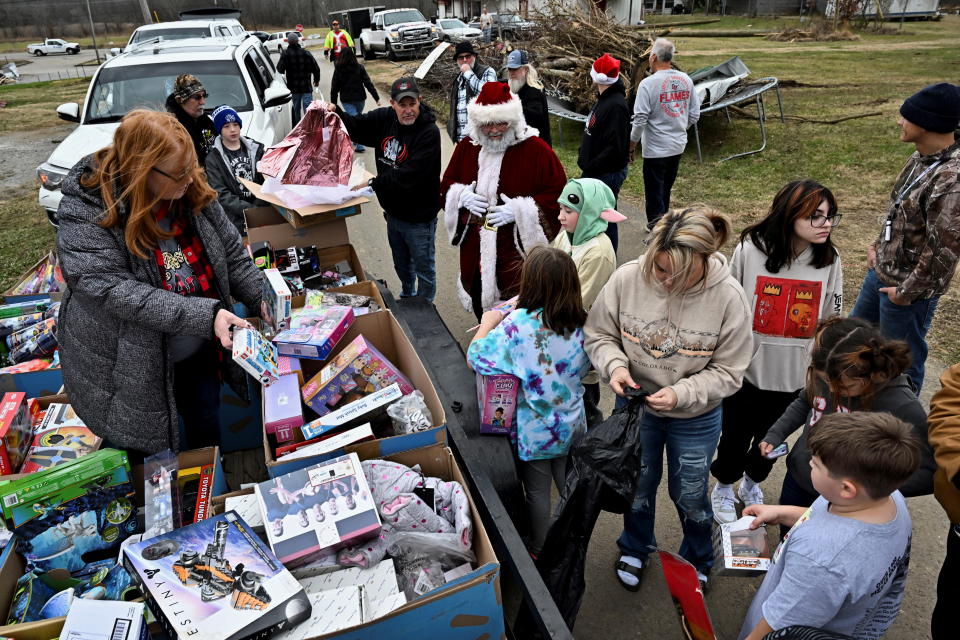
(60, 437)
(37, 341)
(321, 299)
(366, 409)
(60, 514)
(196, 486)
(104, 619)
(16, 432)
(740, 550)
(24, 308)
(289, 364)
(276, 298)
(330, 444)
(256, 355)
(497, 399)
(12, 325)
(161, 499)
(262, 254)
(322, 507)
(357, 371)
(45, 278)
(316, 334)
(215, 579)
(282, 411)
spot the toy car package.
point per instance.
(215, 579)
(60, 437)
(59, 514)
(740, 550)
(16, 431)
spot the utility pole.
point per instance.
(146, 12)
(93, 33)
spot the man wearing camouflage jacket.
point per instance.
(913, 260)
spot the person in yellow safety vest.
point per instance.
(337, 39)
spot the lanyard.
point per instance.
(888, 225)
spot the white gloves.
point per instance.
(472, 202)
(502, 214)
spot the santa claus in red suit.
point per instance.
(499, 194)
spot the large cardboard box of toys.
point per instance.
(381, 331)
(318, 213)
(28, 340)
(12, 566)
(43, 280)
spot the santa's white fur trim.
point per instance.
(528, 231)
(510, 111)
(602, 78)
(488, 174)
(451, 211)
(489, 292)
(464, 295)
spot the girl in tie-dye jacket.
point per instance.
(541, 343)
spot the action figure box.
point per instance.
(740, 550)
(256, 355)
(189, 463)
(61, 437)
(370, 408)
(497, 399)
(316, 333)
(276, 298)
(282, 411)
(357, 371)
(215, 579)
(105, 620)
(317, 509)
(16, 432)
(161, 494)
(59, 514)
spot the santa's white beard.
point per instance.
(508, 139)
(517, 84)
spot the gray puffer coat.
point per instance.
(116, 317)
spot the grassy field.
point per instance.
(33, 106)
(25, 234)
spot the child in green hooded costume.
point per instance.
(586, 206)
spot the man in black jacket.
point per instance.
(605, 146)
(524, 82)
(299, 65)
(186, 103)
(406, 141)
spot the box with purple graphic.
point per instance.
(357, 371)
(282, 411)
(497, 399)
(316, 335)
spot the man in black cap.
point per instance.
(913, 259)
(299, 65)
(473, 75)
(406, 144)
(186, 102)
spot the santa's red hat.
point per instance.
(495, 103)
(605, 70)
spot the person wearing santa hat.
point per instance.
(499, 195)
(604, 148)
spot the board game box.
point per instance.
(256, 355)
(314, 335)
(357, 371)
(60, 437)
(497, 399)
(215, 579)
(16, 431)
(319, 508)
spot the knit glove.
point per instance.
(472, 201)
(502, 214)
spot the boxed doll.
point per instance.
(215, 579)
(357, 371)
(16, 432)
(282, 412)
(60, 437)
(366, 409)
(497, 399)
(316, 333)
(276, 299)
(256, 355)
(740, 550)
(322, 507)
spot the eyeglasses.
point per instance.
(817, 220)
(463, 56)
(183, 176)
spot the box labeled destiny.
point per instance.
(16, 432)
(256, 355)
(357, 371)
(276, 298)
(316, 334)
(282, 411)
(215, 579)
(318, 508)
(497, 399)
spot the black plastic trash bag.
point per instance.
(602, 473)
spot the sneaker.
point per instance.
(704, 582)
(724, 503)
(753, 495)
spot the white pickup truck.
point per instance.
(397, 31)
(53, 45)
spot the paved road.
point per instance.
(54, 65)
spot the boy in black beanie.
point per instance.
(913, 259)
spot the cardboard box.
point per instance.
(16, 431)
(497, 399)
(282, 410)
(331, 443)
(381, 330)
(36, 384)
(109, 619)
(276, 296)
(314, 214)
(315, 335)
(208, 456)
(9, 295)
(12, 566)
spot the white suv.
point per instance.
(234, 71)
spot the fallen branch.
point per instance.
(740, 111)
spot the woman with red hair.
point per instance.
(152, 265)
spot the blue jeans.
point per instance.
(690, 445)
(299, 104)
(900, 322)
(354, 109)
(414, 251)
(615, 182)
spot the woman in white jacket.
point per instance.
(674, 323)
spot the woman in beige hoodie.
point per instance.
(675, 324)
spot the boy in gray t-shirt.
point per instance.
(843, 565)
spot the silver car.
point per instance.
(454, 30)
